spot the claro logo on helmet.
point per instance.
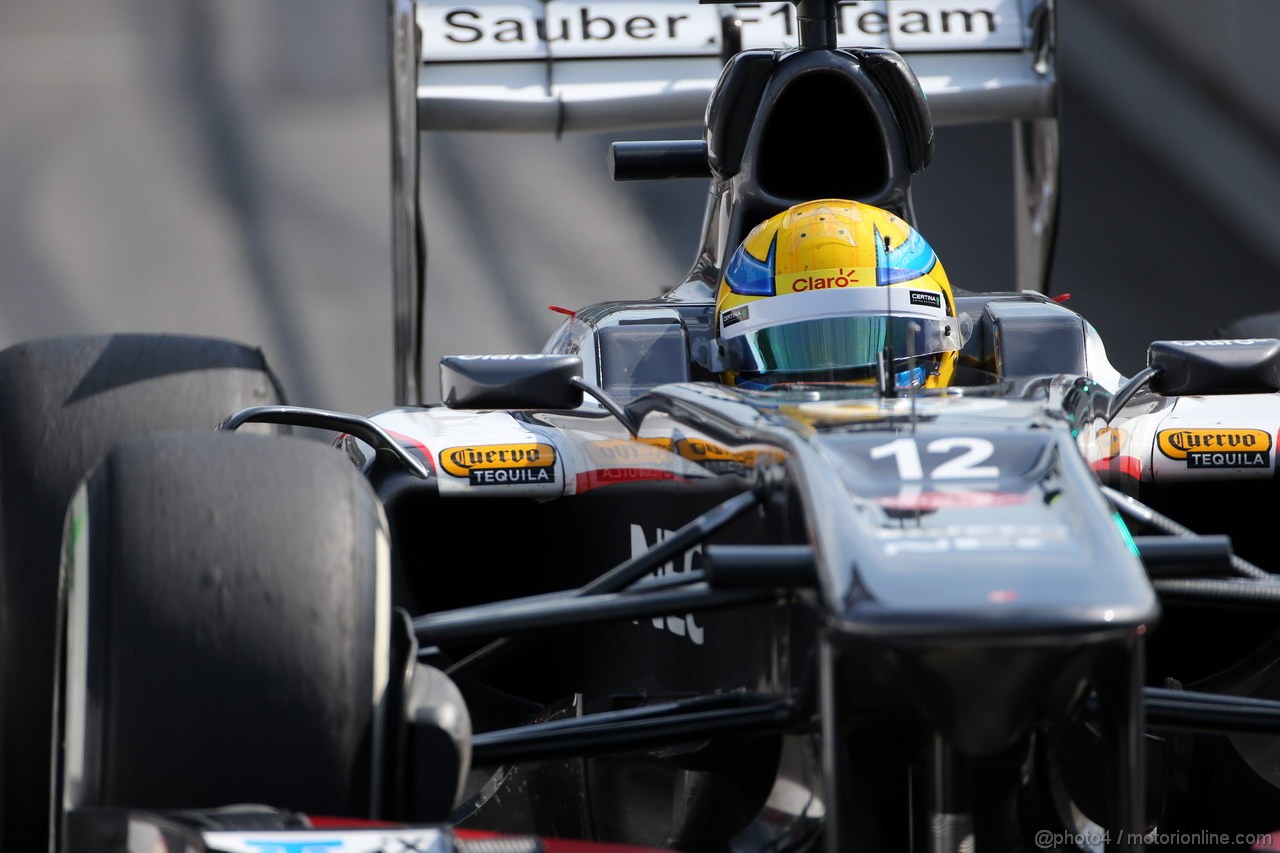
(1217, 448)
(838, 278)
(501, 464)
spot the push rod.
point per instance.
(624, 730)
(455, 626)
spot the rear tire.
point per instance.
(63, 403)
(228, 628)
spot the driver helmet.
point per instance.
(821, 291)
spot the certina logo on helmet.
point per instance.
(734, 315)
(1217, 448)
(933, 300)
(842, 278)
(501, 464)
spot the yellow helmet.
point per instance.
(820, 291)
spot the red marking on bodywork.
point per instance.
(929, 501)
(1130, 466)
(1061, 297)
(328, 822)
(416, 445)
(1002, 596)
(549, 845)
(560, 310)
(589, 480)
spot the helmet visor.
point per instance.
(832, 344)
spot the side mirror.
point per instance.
(1243, 366)
(510, 381)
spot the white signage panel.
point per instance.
(489, 30)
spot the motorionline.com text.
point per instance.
(1048, 840)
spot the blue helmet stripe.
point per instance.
(750, 276)
(910, 260)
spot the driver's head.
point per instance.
(815, 293)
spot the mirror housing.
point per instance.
(510, 381)
(1241, 366)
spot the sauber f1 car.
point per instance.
(611, 593)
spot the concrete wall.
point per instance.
(1229, 48)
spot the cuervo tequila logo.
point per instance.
(1217, 448)
(501, 464)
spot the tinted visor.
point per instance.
(831, 345)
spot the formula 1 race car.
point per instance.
(600, 593)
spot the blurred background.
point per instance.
(221, 167)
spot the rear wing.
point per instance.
(559, 66)
(568, 65)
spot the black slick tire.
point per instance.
(227, 628)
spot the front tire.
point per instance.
(227, 628)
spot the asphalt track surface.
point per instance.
(221, 168)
